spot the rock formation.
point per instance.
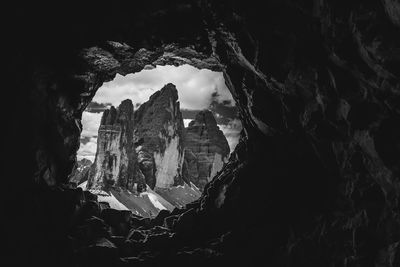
(314, 180)
(158, 135)
(151, 146)
(206, 149)
(140, 151)
(114, 161)
(141, 147)
(81, 171)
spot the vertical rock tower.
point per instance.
(158, 136)
(114, 162)
(206, 149)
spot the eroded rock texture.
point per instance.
(141, 147)
(206, 149)
(80, 172)
(314, 180)
(115, 157)
(158, 135)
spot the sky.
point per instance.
(197, 90)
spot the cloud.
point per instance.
(88, 146)
(90, 123)
(223, 110)
(195, 87)
(88, 150)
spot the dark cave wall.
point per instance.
(315, 177)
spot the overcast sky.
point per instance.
(197, 90)
(195, 86)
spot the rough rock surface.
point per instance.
(115, 157)
(141, 147)
(158, 137)
(317, 88)
(205, 149)
(80, 172)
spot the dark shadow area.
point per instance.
(313, 181)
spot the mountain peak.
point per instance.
(204, 117)
(206, 149)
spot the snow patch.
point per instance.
(186, 122)
(103, 196)
(194, 186)
(154, 200)
(111, 200)
(83, 185)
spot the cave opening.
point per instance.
(182, 123)
(313, 180)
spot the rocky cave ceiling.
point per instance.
(314, 180)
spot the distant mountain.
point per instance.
(206, 149)
(158, 134)
(115, 157)
(80, 171)
(147, 161)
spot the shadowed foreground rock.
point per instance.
(314, 180)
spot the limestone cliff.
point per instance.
(206, 149)
(114, 160)
(142, 147)
(158, 138)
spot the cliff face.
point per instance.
(114, 162)
(206, 149)
(158, 136)
(143, 147)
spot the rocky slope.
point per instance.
(80, 172)
(317, 88)
(143, 150)
(206, 149)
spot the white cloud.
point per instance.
(88, 150)
(90, 123)
(194, 86)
